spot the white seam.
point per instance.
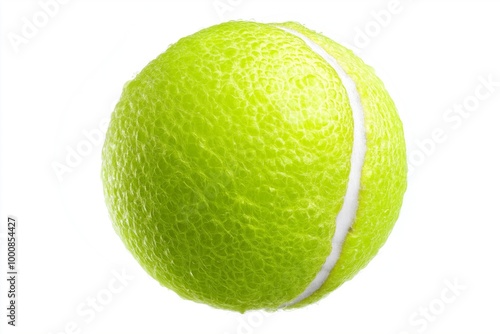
(347, 213)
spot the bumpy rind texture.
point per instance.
(383, 179)
(227, 159)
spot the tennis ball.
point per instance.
(254, 166)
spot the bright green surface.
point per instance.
(226, 162)
(383, 178)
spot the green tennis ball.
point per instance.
(254, 166)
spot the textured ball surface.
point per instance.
(230, 158)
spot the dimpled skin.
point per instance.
(227, 159)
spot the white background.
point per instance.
(63, 80)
